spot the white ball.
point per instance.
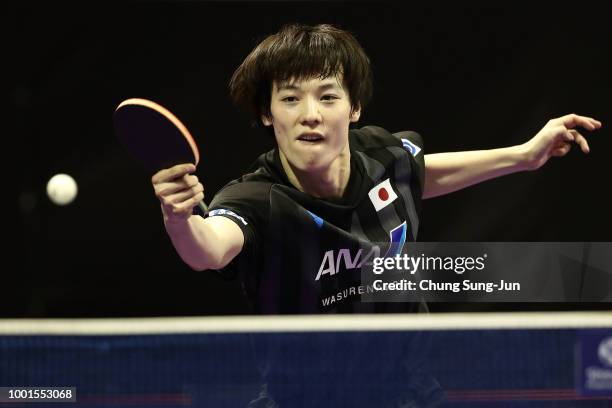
(62, 189)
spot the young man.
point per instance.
(293, 228)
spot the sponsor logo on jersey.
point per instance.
(334, 260)
(232, 214)
(411, 147)
(382, 195)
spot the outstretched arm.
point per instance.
(448, 172)
(203, 243)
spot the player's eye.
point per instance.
(329, 97)
(289, 99)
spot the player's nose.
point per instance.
(310, 111)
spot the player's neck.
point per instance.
(325, 183)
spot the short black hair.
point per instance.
(301, 52)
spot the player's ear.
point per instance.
(355, 114)
(266, 120)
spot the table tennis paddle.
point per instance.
(154, 136)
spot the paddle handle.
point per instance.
(203, 207)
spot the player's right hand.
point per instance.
(178, 191)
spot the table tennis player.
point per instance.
(292, 227)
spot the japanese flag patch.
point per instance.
(382, 195)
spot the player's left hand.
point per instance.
(556, 137)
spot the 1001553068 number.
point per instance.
(37, 394)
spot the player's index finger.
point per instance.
(174, 172)
(574, 120)
(181, 169)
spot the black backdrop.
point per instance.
(464, 77)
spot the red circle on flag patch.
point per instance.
(383, 194)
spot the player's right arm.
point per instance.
(203, 243)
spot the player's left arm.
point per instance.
(448, 172)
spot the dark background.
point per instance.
(469, 77)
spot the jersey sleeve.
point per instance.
(246, 204)
(413, 143)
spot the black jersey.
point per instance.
(304, 254)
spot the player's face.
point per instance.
(311, 121)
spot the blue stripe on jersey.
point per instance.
(398, 239)
(316, 219)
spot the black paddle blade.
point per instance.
(154, 136)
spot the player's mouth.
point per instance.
(311, 138)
